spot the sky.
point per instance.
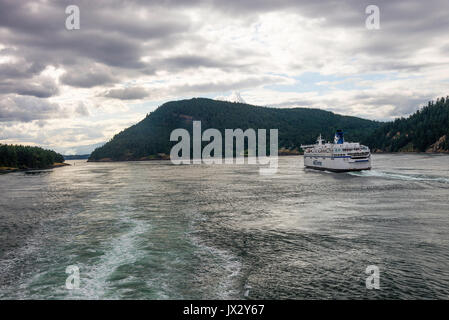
(72, 90)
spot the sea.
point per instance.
(154, 230)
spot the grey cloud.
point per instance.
(111, 33)
(20, 70)
(82, 110)
(41, 123)
(404, 16)
(131, 93)
(18, 108)
(108, 33)
(41, 87)
(81, 134)
(220, 86)
(37, 91)
(196, 61)
(406, 26)
(115, 35)
(161, 22)
(404, 104)
(66, 47)
(87, 77)
(127, 93)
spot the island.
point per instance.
(23, 158)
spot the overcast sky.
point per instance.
(72, 89)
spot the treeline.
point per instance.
(426, 130)
(26, 157)
(296, 126)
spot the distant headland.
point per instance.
(424, 131)
(150, 138)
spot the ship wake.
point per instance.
(400, 176)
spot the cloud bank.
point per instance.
(80, 87)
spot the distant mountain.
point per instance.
(427, 130)
(150, 138)
(76, 157)
(80, 149)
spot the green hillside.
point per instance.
(427, 130)
(26, 157)
(150, 138)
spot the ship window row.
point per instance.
(350, 149)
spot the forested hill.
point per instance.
(26, 157)
(427, 130)
(150, 138)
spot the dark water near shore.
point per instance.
(151, 230)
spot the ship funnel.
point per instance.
(339, 137)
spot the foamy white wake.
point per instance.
(399, 176)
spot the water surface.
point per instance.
(152, 230)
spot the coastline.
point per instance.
(166, 157)
(5, 170)
(283, 154)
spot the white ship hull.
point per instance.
(341, 164)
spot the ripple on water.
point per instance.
(150, 230)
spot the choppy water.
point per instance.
(151, 230)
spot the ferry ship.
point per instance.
(339, 156)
